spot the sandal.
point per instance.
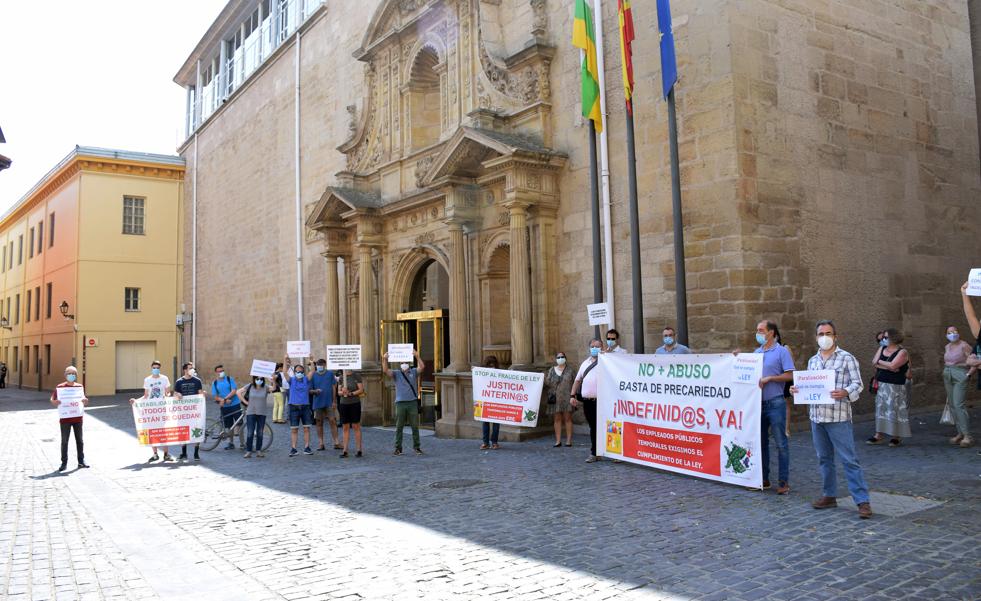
(495, 446)
(568, 444)
(559, 444)
(484, 447)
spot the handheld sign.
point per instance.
(71, 402)
(262, 369)
(298, 349)
(599, 314)
(747, 368)
(399, 353)
(344, 356)
(507, 397)
(814, 387)
(974, 282)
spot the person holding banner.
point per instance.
(613, 342)
(831, 425)
(224, 389)
(406, 399)
(490, 432)
(324, 384)
(188, 384)
(349, 406)
(558, 386)
(70, 424)
(778, 368)
(299, 406)
(156, 386)
(254, 395)
(584, 391)
(671, 346)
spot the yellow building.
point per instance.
(90, 267)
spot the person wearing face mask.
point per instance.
(831, 425)
(613, 342)
(671, 346)
(406, 399)
(973, 361)
(351, 389)
(70, 424)
(778, 368)
(891, 363)
(278, 395)
(324, 385)
(156, 386)
(187, 385)
(224, 390)
(558, 390)
(490, 431)
(956, 374)
(584, 391)
(254, 395)
(300, 411)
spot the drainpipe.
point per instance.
(974, 17)
(604, 166)
(299, 207)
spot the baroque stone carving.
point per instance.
(426, 238)
(423, 166)
(539, 23)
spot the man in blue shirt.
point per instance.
(671, 346)
(223, 388)
(299, 406)
(778, 369)
(406, 399)
(323, 383)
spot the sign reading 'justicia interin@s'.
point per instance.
(507, 397)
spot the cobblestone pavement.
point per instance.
(525, 522)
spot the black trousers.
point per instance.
(589, 408)
(65, 432)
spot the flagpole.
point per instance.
(680, 285)
(638, 293)
(594, 195)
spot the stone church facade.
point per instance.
(829, 170)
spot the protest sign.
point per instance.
(166, 421)
(682, 413)
(599, 314)
(399, 353)
(71, 402)
(298, 349)
(974, 282)
(814, 386)
(344, 356)
(507, 397)
(262, 369)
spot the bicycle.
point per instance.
(216, 432)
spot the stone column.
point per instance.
(459, 355)
(332, 309)
(366, 326)
(520, 286)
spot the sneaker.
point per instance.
(895, 442)
(397, 452)
(418, 451)
(293, 453)
(260, 454)
(864, 511)
(321, 448)
(64, 466)
(182, 457)
(83, 465)
(484, 447)
(248, 455)
(495, 446)
(783, 488)
(967, 442)
(825, 503)
(196, 456)
(307, 451)
(874, 440)
(344, 455)
(956, 440)
(168, 457)
(230, 447)
(154, 458)
(766, 485)
(592, 459)
(358, 454)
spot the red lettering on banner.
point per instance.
(502, 412)
(679, 449)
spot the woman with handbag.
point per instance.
(558, 386)
(891, 363)
(956, 376)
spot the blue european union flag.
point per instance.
(669, 62)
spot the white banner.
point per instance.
(298, 349)
(263, 369)
(689, 414)
(398, 353)
(70, 402)
(344, 356)
(507, 397)
(166, 421)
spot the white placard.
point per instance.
(262, 369)
(71, 402)
(507, 397)
(344, 356)
(599, 314)
(298, 349)
(814, 387)
(744, 369)
(974, 282)
(399, 353)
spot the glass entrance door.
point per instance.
(427, 332)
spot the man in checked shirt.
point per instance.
(831, 425)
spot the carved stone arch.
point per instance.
(429, 41)
(408, 268)
(495, 241)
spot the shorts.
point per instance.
(323, 414)
(301, 413)
(350, 413)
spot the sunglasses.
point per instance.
(612, 339)
(560, 356)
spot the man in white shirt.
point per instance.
(584, 390)
(613, 342)
(156, 386)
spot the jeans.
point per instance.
(589, 408)
(774, 420)
(955, 381)
(253, 431)
(406, 411)
(491, 431)
(300, 413)
(838, 438)
(65, 433)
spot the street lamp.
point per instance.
(63, 307)
(5, 323)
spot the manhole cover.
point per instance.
(456, 483)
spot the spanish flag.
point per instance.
(626, 19)
(584, 37)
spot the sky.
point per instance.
(92, 73)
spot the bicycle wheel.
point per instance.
(213, 435)
(267, 437)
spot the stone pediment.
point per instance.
(337, 201)
(466, 153)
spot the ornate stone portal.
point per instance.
(450, 163)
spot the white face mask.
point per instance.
(560, 361)
(192, 372)
(404, 366)
(825, 342)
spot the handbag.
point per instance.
(873, 385)
(947, 417)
